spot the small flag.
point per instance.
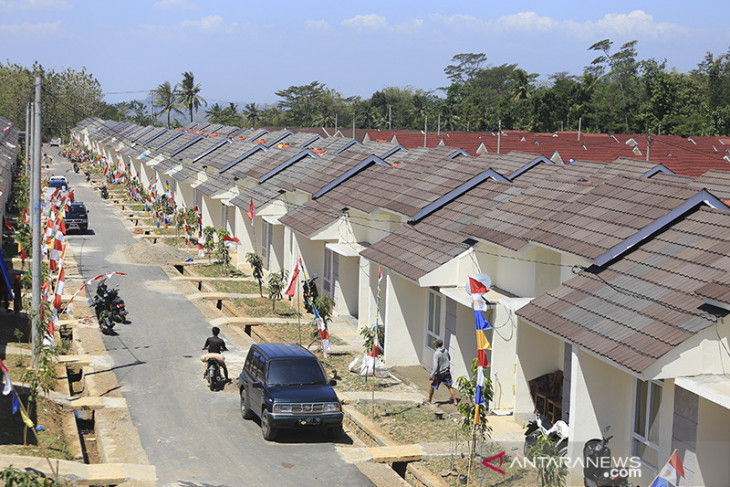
(8, 384)
(323, 334)
(477, 287)
(201, 250)
(251, 212)
(668, 474)
(229, 241)
(59, 289)
(292, 286)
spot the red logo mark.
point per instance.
(488, 462)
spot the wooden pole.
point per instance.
(471, 447)
(43, 448)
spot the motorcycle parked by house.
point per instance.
(76, 168)
(598, 470)
(557, 433)
(88, 176)
(213, 373)
(104, 192)
(309, 291)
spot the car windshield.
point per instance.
(57, 184)
(295, 372)
(75, 210)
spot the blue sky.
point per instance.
(244, 51)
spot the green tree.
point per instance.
(164, 98)
(221, 250)
(551, 468)
(619, 67)
(301, 102)
(252, 113)
(188, 94)
(209, 240)
(257, 267)
(277, 281)
(467, 390)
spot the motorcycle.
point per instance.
(76, 168)
(213, 373)
(104, 192)
(309, 291)
(108, 301)
(597, 466)
(557, 433)
(88, 176)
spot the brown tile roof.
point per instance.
(417, 249)
(638, 308)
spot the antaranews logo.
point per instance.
(614, 467)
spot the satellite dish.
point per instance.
(481, 278)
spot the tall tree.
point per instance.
(164, 98)
(301, 102)
(188, 94)
(252, 113)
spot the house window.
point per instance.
(645, 435)
(435, 318)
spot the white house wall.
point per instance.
(713, 445)
(405, 321)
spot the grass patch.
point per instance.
(241, 287)
(214, 270)
(481, 475)
(350, 381)
(290, 332)
(413, 423)
(261, 308)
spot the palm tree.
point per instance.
(164, 97)
(252, 113)
(214, 114)
(187, 94)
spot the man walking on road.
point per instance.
(215, 346)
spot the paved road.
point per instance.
(193, 436)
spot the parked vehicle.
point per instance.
(76, 217)
(88, 176)
(55, 184)
(55, 142)
(108, 301)
(597, 467)
(309, 291)
(59, 178)
(213, 373)
(104, 192)
(558, 434)
(76, 168)
(285, 385)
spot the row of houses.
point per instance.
(610, 280)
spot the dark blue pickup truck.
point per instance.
(285, 385)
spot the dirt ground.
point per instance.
(146, 253)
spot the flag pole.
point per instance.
(299, 313)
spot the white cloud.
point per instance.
(45, 28)
(151, 28)
(321, 25)
(175, 5)
(16, 5)
(366, 22)
(411, 27)
(636, 24)
(207, 23)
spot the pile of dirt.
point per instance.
(146, 253)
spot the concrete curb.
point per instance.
(85, 474)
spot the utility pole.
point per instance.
(499, 137)
(561, 126)
(336, 120)
(648, 146)
(389, 117)
(353, 124)
(438, 131)
(425, 132)
(580, 122)
(28, 116)
(36, 223)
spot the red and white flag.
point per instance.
(8, 384)
(251, 212)
(229, 241)
(201, 250)
(291, 288)
(59, 290)
(56, 254)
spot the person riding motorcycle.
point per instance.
(215, 345)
